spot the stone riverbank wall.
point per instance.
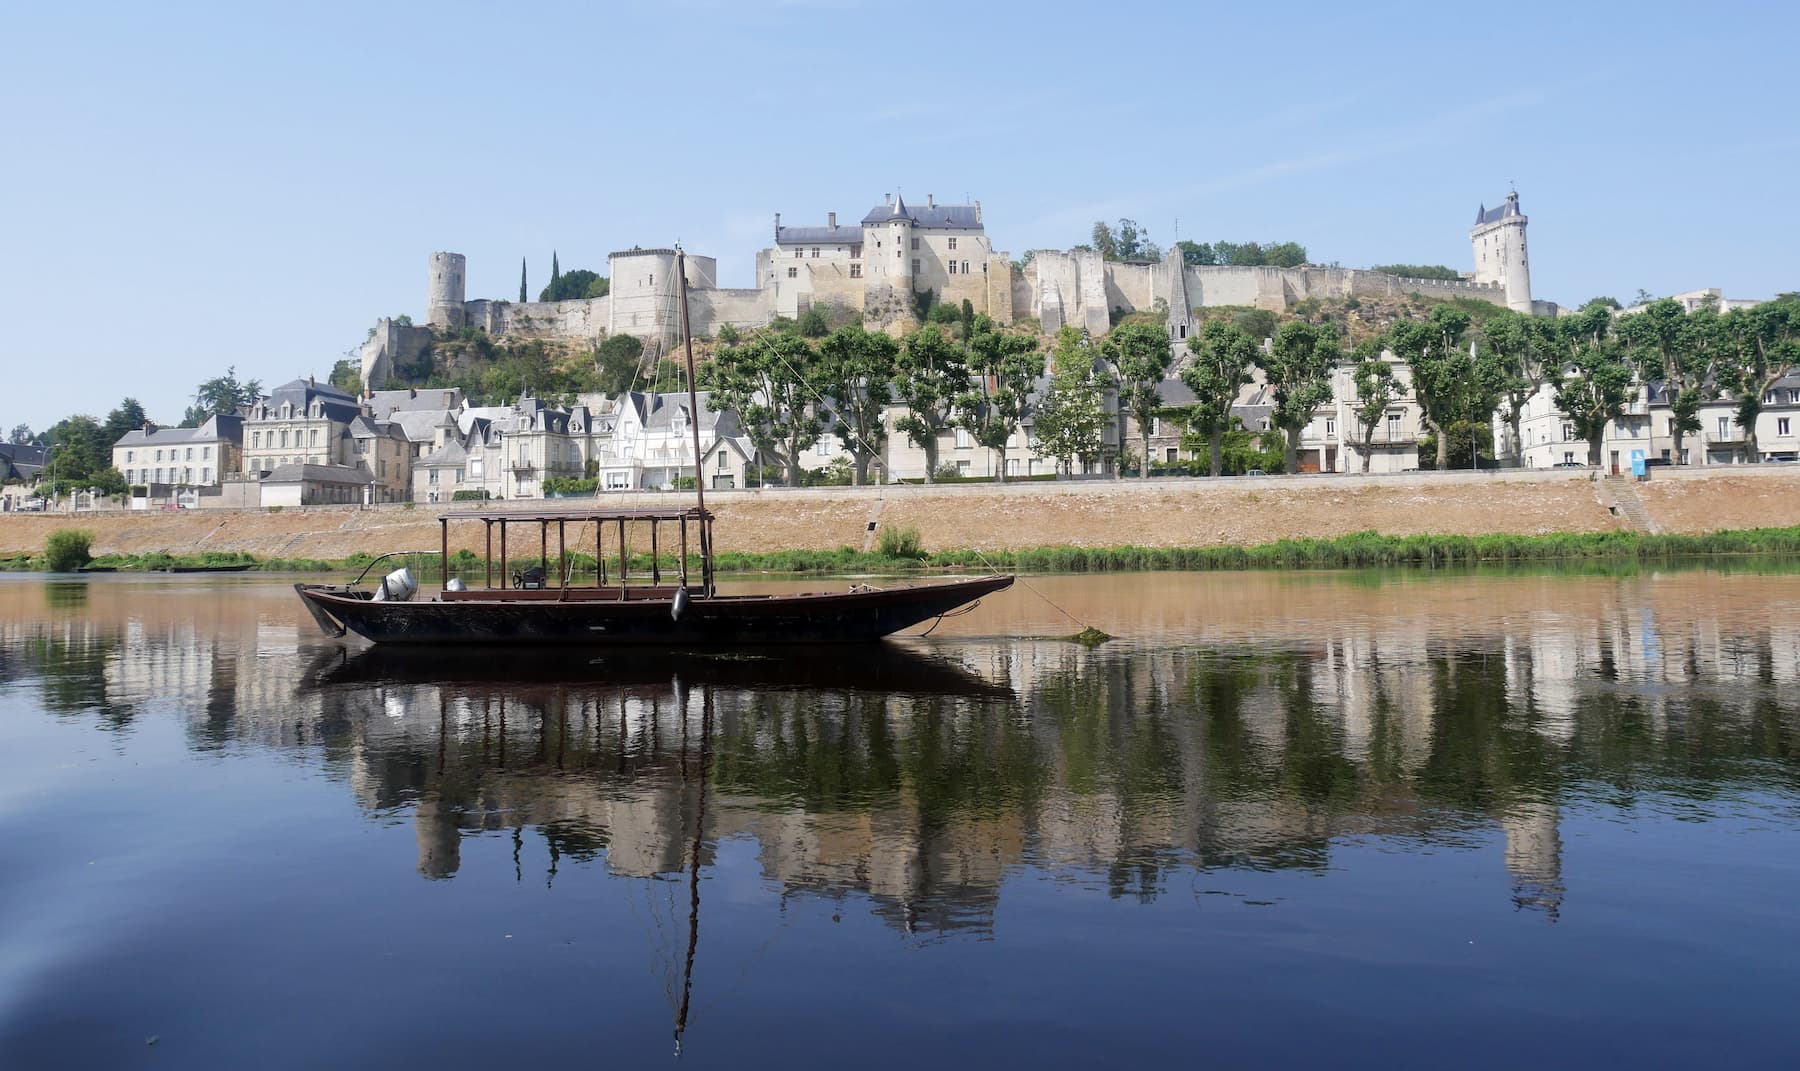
(1158, 513)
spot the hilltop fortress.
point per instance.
(877, 267)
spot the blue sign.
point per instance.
(1637, 463)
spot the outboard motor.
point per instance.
(397, 586)
(456, 584)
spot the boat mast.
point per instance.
(687, 338)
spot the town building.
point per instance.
(333, 435)
(180, 466)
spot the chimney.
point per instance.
(831, 219)
(778, 225)
(448, 395)
(889, 198)
(978, 211)
(311, 381)
(929, 203)
(148, 427)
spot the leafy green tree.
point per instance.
(771, 382)
(1595, 380)
(522, 291)
(1285, 254)
(78, 449)
(813, 323)
(1376, 391)
(1682, 350)
(1197, 253)
(1005, 366)
(1070, 423)
(574, 285)
(21, 433)
(1298, 370)
(1257, 323)
(221, 396)
(618, 363)
(1141, 354)
(129, 416)
(1442, 368)
(856, 368)
(931, 373)
(1519, 345)
(1764, 344)
(346, 375)
(968, 320)
(1223, 354)
(555, 274)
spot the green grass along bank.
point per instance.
(1357, 550)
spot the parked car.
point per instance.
(1254, 472)
(1570, 465)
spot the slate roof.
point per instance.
(229, 427)
(819, 236)
(420, 426)
(1509, 207)
(962, 217)
(385, 403)
(338, 405)
(452, 456)
(291, 473)
(22, 461)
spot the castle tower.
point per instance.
(900, 232)
(444, 290)
(1498, 242)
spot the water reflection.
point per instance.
(919, 777)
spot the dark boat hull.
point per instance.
(724, 621)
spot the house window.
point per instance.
(1781, 426)
(315, 437)
(1568, 431)
(1724, 428)
(206, 475)
(952, 243)
(1568, 457)
(190, 453)
(915, 243)
(1171, 455)
(724, 462)
(953, 267)
(915, 265)
(962, 438)
(856, 271)
(1330, 427)
(284, 438)
(823, 448)
(962, 468)
(1393, 433)
(256, 440)
(793, 273)
(206, 453)
(474, 468)
(159, 455)
(130, 456)
(432, 478)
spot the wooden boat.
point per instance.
(539, 606)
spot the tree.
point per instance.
(1764, 344)
(1419, 271)
(617, 363)
(78, 449)
(1682, 351)
(1519, 345)
(1223, 354)
(555, 273)
(813, 324)
(1141, 354)
(1595, 381)
(1257, 323)
(856, 368)
(1070, 423)
(1005, 366)
(1128, 241)
(346, 375)
(129, 416)
(1376, 390)
(522, 291)
(574, 285)
(771, 382)
(1441, 367)
(931, 372)
(21, 433)
(221, 396)
(1298, 370)
(1196, 252)
(1285, 254)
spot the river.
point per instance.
(1394, 819)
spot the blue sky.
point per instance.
(193, 187)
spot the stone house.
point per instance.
(649, 443)
(181, 465)
(1643, 430)
(306, 422)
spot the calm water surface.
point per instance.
(1383, 819)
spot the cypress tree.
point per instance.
(522, 298)
(555, 279)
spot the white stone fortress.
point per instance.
(877, 267)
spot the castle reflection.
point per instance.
(920, 778)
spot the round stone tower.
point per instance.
(900, 231)
(1498, 242)
(444, 290)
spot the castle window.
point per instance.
(952, 243)
(856, 251)
(856, 271)
(798, 253)
(815, 252)
(952, 267)
(965, 267)
(793, 273)
(915, 265)
(915, 243)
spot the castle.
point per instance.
(876, 267)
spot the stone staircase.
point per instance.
(1627, 504)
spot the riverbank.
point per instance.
(1183, 520)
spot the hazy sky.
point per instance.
(189, 187)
